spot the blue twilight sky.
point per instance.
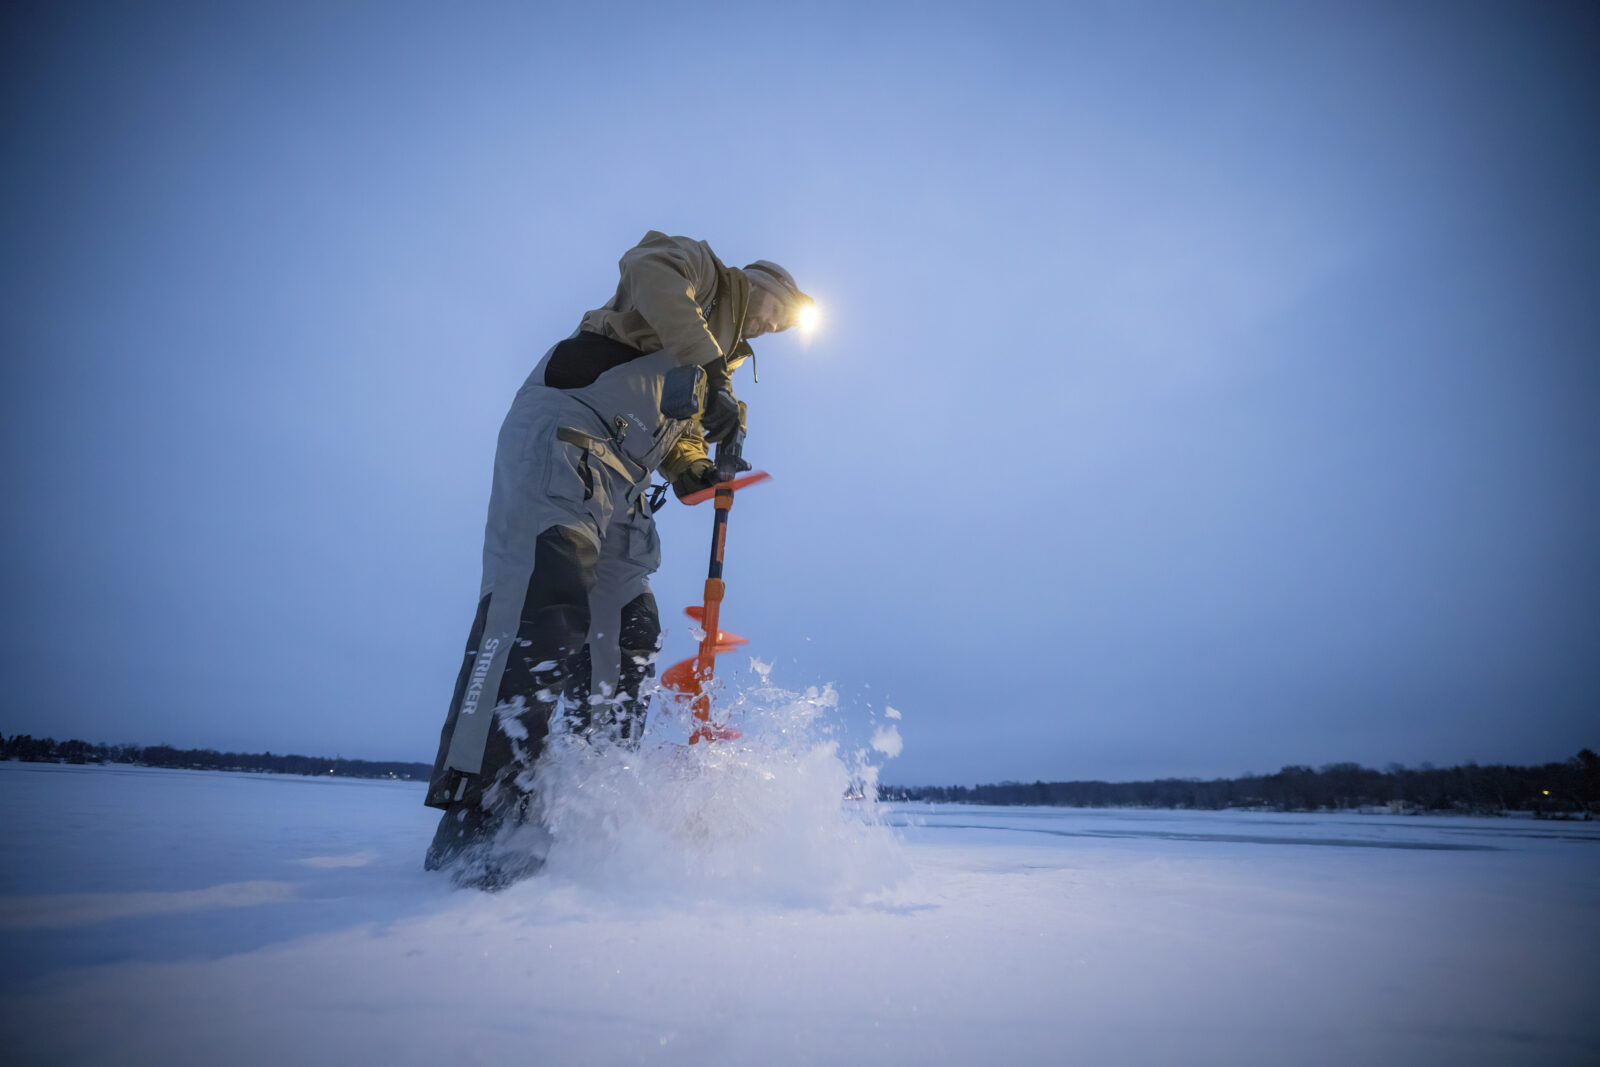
(1204, 386)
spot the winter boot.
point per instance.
(515, 851)
(462, 827)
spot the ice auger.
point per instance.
(691, 678)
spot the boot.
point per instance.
(516, 849)
(462, 827)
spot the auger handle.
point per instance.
(700, 496)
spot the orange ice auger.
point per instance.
(692, 677)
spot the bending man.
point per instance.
(625, 395)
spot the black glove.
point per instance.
(724, 416)
(699, 474)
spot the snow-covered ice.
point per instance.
(155, 916)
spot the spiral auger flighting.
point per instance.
(691, 678)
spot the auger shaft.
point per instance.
(711, 615)
(692, 677)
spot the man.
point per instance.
(643, 384)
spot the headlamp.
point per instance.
(807, 317)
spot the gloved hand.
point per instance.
(730, 462)
(699, 474)
(723, 417)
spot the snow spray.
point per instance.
(779, 815)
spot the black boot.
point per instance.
(499, 836)
(463, 826)
(515, 848)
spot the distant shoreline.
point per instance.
(1551, 790)
(1570, 789)
(48, 750)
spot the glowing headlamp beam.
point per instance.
(807, 318)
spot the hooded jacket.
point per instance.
(675, 294)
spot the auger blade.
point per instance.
(681, 678)
(685, 679)
(712, 732)
(726, 641)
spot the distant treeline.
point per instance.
(1551, 789)
(49, 750)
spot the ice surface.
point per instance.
(157, 916)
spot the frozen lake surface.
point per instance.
(155, 916)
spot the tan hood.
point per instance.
(676, 294)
